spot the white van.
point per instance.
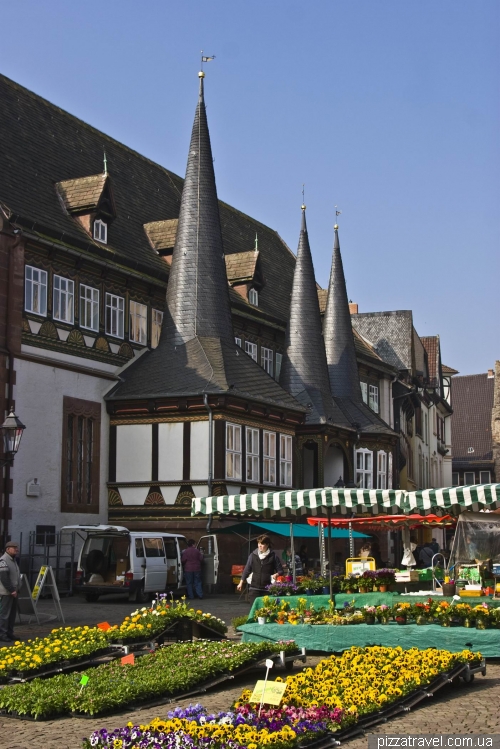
(116, 560)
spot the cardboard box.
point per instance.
(171, 576)
(121, 567)
(410, 576)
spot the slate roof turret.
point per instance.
(304, 371)
(341, 353)
(337, 331)
(197, 352)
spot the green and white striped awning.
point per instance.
(347, 501)
(475, 498)
(305, 501)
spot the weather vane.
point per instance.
(337, 213)
(303, 196)
(205, 59)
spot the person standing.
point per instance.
(261, 564)
(10, 583)
(192, 559)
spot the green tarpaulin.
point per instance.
(329, 638)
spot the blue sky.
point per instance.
(388, 109)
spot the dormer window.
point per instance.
(253, 297)
(101, 231)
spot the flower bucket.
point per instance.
(383, 588)
(468, 622)
(326, 590)
(448, 589)
(369, 619)
(420, 620)
(482, 624)
(383, 620)
(261, 619)
(445, 622)
(363, 590)
(400, 619)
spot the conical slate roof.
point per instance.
(304, 371)
(197, 352)
(198, 292)
(341, 353)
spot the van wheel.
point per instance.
(91, 597)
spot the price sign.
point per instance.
(270, 692)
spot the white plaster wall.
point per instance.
(38, 394)
(385, 401)
(170, 450)
(133, 495)
(133, 452)
(199, 450)
(170, 493)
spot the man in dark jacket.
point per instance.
(10, 583)
(192, 559)
(261, 564)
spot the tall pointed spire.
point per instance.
(338, 335)
(198, 294)
(304, 371)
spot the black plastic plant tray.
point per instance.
(66, 666)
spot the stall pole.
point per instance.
(292, 552)
(329, 517)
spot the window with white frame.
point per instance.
(233, 451)
(364, 391)
(279, 360)
(252, 457)
(484, 477)
(89, 307)
(373, 398)
(35, 286)
(63, 298)
(469, 478)
(101, 231)
(251, 349)
(285, 460)
(156, 322)
(115, 314)
(138, 323)
(381, 470)
(253, 297)
(364, 468)
(426, 428)
(266, 360)
(237, 341)
(269, 457)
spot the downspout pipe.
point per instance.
(210, 454)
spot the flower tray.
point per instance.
(59, 667)
(200, 688)
(405, 704)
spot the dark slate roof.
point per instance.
(341, 354)
(161, 234)
(338, 335)
(83, 193)
(241, 266)
(198, 292)
(390, 333)
(304, 370)
(472, 401)
(432, 347)
(196, 353)
(41, 144)
(202, 365)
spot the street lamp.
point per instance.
(12, 431)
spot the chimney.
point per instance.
(353, 308)
(491, 374)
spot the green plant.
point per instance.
(238, 621)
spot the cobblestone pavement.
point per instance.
(455, 709)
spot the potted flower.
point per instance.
(365, 582)
(483, 616)
(350, 584)
(283, 586)
(385, 578)
(383, 613)
(421, 612)
(401, 612)
(443, 613)
(267, 611)
(370, 613)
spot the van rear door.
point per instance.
(210, 568)
(156, 565)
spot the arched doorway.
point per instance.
(334, 467)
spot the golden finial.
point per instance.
(336, 226)
(201, 74)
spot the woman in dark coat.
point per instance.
(261, 564)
